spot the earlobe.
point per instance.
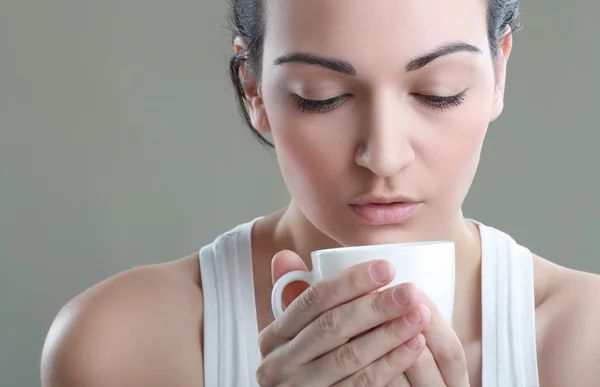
(258, 114)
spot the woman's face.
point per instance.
(373, 116)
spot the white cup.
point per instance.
(428, 265)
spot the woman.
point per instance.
(378, 110)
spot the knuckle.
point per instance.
(365, 378)
(263, 343)
(378, 303)
(395, 358)
(453, 355)
(329, 323)
(311, 298)
(346, 357)
(399, 359)
(265, 373)
(395, 330)
(423, 362)
(356, 280)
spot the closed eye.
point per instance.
(319, 106)
(441, 102)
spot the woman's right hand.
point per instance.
(340, 332)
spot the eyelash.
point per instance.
(435, 102)
(316, 106)
(441, 103)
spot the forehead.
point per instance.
(380, 31)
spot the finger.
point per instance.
(283, 262)
(399, 381)
(446, 348)
(324, 295)
(424, 372)
(339, 325)
(359, 353)
(384, 370)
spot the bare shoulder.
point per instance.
(142, 327)
(567, 322)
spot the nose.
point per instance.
(386, 148)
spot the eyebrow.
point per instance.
(346, 67)
(338, 65)
(446, 49)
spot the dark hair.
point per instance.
(247, 21)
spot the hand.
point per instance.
(340, 332)
(443, 362)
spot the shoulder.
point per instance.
(567, 321)
(140, 327)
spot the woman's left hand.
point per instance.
(443, 362)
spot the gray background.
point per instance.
(120, 145)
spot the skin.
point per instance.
(144, 326)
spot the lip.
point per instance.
(380, 199)
(379, 211)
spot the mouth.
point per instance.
(379, 211)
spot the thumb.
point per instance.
(284, 262)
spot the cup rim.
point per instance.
(401, 245)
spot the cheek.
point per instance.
(312, 149)
(458, 148)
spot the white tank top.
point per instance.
(231, 354)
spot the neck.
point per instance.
(298, 234)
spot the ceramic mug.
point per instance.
(428, 265)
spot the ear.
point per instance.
(500, 73)
(251, 82)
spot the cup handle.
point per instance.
(285, 280)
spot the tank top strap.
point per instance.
(509, 353)
(231, 354)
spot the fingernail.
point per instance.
(424, 312)
(413, 317)
(413, 344)
(380, 271)
(401, 295)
